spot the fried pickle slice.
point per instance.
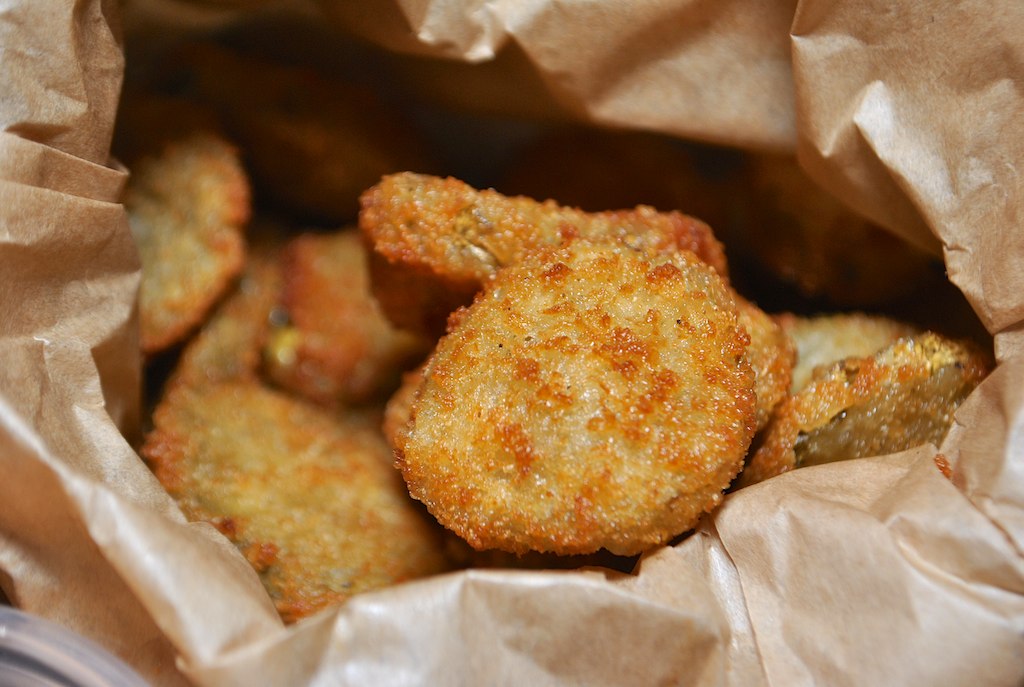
(309, 497)
(187, 208)
(337, 346)
(590, 397)
(902, 397)
(313, 143)
(436, 241)
(771, 355)
(230, 344)
(822, 340)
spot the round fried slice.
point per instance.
(398, 410)
(310, 498)
(771, 355)
(338, 347)
(590, 397)
(902, 397)
(442, 238)
(187, 209)
(228, 346)
(825, 339)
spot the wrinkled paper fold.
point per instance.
(878, 571)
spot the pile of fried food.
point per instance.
(474, 378)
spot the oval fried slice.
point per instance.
(771, 354)
(902, 397)
(826, 339)
(590, 397)
(309, 497)
(338, 347)
(442, 238)
(229, 345)
(187, 208)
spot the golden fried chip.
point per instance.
(229, 345)
(312, 143)
(187, 209)
(902, 397)
(771, 355)
(337, 346)
(590, 397)
(398, 410)
(310, 498)
(437, 240)
(827, 339)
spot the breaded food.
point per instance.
(188, 208)
(398, 410)
(823, 340)
(436, 241)
(337, 346)
(771, 355)
(312, 143)
(309, 497)
(230, 344)
(902, 397)
(808, 239)
(591, 397)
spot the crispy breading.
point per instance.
(229, 345)
(309, 497)
(313, 143)
(398, 410)
(438, 240)
(825, 339)
(337, 346)
(771, 354)
(593, 396)
(902, 397)
(187, 208)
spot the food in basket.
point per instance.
(902, 397)
(594, 396)
(436, 241)
(822, 340)
(309, 496)
(188, 207)
(335, 347)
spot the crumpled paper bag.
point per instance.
(866, 572)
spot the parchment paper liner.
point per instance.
(873, 571)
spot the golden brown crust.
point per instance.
(822, 340)
(309, 497)
(590, 397)
(398, 411)
(900, 398)
(771, 355)
(337, 346)
(229, 345)
(187, 208)
(443, 231)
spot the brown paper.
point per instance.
(877, 571)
